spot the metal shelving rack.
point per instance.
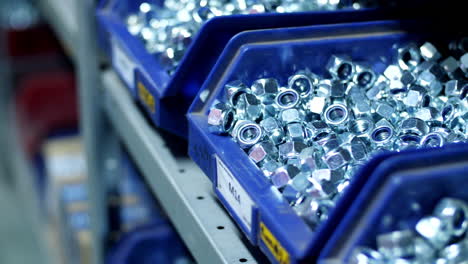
(184, 192)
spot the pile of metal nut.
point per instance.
(310, 136)
(439, 238)
(168, 30)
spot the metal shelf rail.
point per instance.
(183, 190)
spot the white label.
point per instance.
(123, 64)
(234, 195)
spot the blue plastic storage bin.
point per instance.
(258, 208)
(386, 202)
(153, 243)
(167, 98)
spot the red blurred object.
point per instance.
(46, 102)
(38, 40)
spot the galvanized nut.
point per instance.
(341, 68)
(454, 214)
(248, 134)
(287, 98)
(409, 57)
(221, 119)
(265, 89)
(336, 115)
(303, 83)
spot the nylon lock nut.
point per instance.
(303, 82)
(247, 133)
(364, 76)
(272, 128)
(409, 57)
(233, 90)
(287, 98)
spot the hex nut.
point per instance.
(364, 77)
(433, 230)
(315, 105)
(291, 115)
(290, 149)
(233, 90)
(336, 115)
(253, 110)
(303, 83)
(269, 166)
(414, 126)
(337, 89)
(266, 89)
(337, 158)
(406, 141)
(248, 134)
(429, 52)
(357, 148)
(273, 129)
(283, 175)
(323, 88)
(454, 214)
(383, 133)
(409, 57)
(260, 151)
(385, 111)
(308, 160)
(221, 119)
(295, 132)
(416, 97)
(428, 114)
(287, 98)
(340, 68)
(361, 126)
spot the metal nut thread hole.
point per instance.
(447, 112)
(426, 101)
(344, 71)
(364, 78)
(410, 139)
(229, 121)
(337, 114)
(432, 141)
(459, 219)
(288, 99)
(302, 85)
(220, 227)
(382, 134)
(249, 133)
(243, 260)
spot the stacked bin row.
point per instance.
(264, 215)
(145, 234)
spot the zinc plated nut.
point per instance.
(287, 98)
(261, 151)
(365, 255)
(337, 158)
(409, 57)
(364, 77)
(383, 133)
(273, 130)
(221, 119)
(454, 214)
(248, 133)
(341, 68)
(265, 89)
(414, 126)
(233, 90)
(303, 82)
(429, 52)
(336, 115)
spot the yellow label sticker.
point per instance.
(146, 97)
(278, 251)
